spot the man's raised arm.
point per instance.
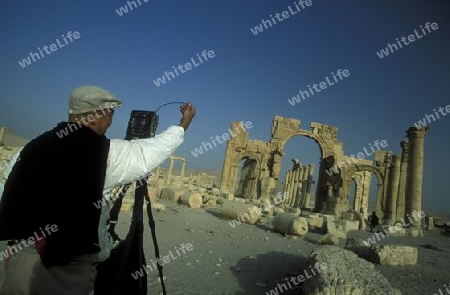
(132, 160)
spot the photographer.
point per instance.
(56, 181)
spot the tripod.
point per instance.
(134, 241)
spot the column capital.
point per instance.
(404, 144)
(417, 132)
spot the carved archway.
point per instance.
(348, 174)
(245, 186)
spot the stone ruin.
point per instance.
(399, 176)
(251, 199)
(298, 183)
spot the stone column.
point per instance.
(308, 186)
(380, 193)
(304, 180)
(170, 171)
(357, 200)
(182, 169)
(403, 184)
(394, 180)
(289, 187)
(366, 190)
(415, 172)
(287, 182)
(226, 181)
(293, 189)
(321, 196)
(298, 186)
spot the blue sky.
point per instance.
(251, 76)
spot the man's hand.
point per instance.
(188, 111)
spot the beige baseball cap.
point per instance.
(90, 98)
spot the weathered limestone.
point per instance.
(430, 221)
(172, 158)
(191, 199)
(266, 156)
(278, 210)
(158, 206)
(345, 274)
(349, 225)
(328, 239)
(297, 185)
(154, 193)
(394, 255)
(290, 223)
(332, 228)
(215, 191)
(260, 172)
(415, 171)
(391, 210)
(315, 222)
(171, 194)
(246, 213)
(395, 231)
(401, 196)
(359, 247)
(307, 199)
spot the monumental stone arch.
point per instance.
(399, 176)
(263, 175)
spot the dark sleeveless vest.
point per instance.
(56, 181)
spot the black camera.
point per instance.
(142, 124)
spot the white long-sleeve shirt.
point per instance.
(128, 161)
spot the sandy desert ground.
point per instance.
(252, 259)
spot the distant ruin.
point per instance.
(399, 176)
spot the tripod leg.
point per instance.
(114, 214)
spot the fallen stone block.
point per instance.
(359, 247)
(277, 210)
(154, 193)
(335, 229)
(211, 202)
(348, 215)
(395, 231)
(414, 232)
(171, 194)
(158, 206)
(264, 220)
(207, 197)
(246, 213)
(239, 200)
(221, 200)
(293, 210)
(362, 224)
(193, 200)
(394, 255)
(328, 239)
(332, 270)
(178, 185)
(351, 225)
(266, 209)
(315, 222)
(290, 223)
(226, 196)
